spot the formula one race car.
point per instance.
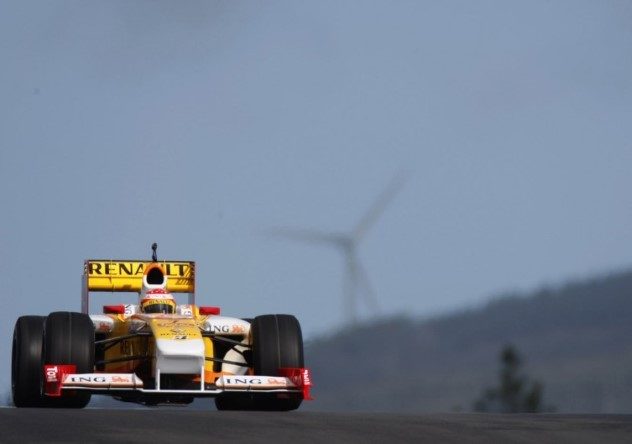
(156, 351)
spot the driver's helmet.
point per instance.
(157, 301)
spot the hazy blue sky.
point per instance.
(200, 124)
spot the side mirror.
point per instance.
(209, 310)
(114, 309)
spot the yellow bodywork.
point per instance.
(141, 349)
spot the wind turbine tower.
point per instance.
(356, 283)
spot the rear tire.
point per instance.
(26, 362)
(277, 342)
(69, 339)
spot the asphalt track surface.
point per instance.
(161, 425)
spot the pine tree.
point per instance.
(514, 394)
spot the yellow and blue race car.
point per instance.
(156, 351)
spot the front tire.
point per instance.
(26, 362)
(277, 342)
(69, 339)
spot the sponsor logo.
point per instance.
(121, 380)
(306, 378)
(154, 301)
(176, 329)
(87, 379)
(51, 374)
(242, 381)
(98, 379)
(131, 268)
(276, 381)
(228, 329)
(166, 322)
(213, 328)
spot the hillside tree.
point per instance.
(514, 393)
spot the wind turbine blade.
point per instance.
(302, 235)
(379, 206)
(370, 294)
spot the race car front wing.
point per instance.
(60, 377)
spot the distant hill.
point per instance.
(575, 339)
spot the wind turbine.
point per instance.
(356, 280)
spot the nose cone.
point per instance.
(180, 356)
(179, 346)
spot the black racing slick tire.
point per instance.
(69, 339)
(26, 362)
(277, 342)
